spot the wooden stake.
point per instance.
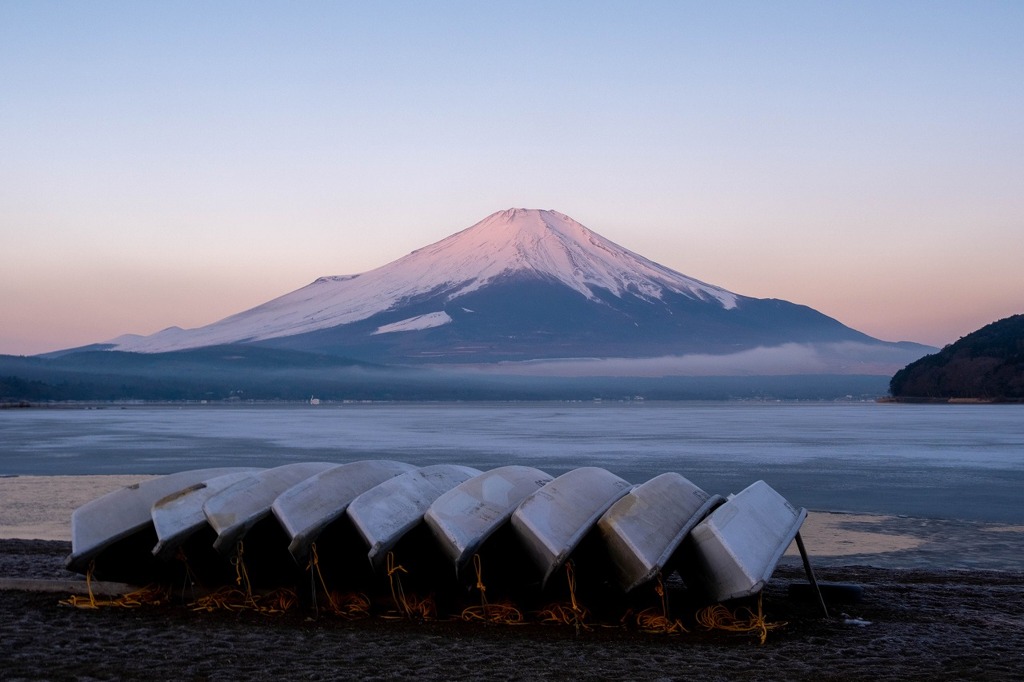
(810, 574)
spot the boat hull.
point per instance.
(385, 513)
(734, 551)
(123, 518)
(645, 527)
(553, 521)
(236, 509)
(463, 518)
(178, 516)
(308, 507)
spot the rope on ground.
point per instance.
(152, 595)
(277, 601)
(395, 581)
(231, 599)
(718, 617)
(650, 620)
(314, 572)
(351, 606)
(189, 579)
(224, 599)
(242, 574)
(570, 614)
(242, 598)
(408, 606)
(503, 613)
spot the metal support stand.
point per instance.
(810, 574)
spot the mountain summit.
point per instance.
(521, 284)
(551, 245)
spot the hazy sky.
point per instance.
(173, 163)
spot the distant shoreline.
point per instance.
(952, 401)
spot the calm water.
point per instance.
(933, 461)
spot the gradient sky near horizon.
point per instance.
(174, 163)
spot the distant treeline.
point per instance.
(249, 373)
(984, 365)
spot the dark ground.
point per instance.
(910, 624)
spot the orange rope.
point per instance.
(571, 614)
(718, 617)
(651, 621)
(504, 613)
(152, 595)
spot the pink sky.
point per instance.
(171, 167)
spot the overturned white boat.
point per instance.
(120, 524)
(465, 516)
(178, 516)
(553, 521)
(645, 527)
(385, 513)
(239, 507)
(734, 551)
(516, 518)
(309, 506)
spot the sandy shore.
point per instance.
(916, 625)
(917, 619)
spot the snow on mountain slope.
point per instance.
(523, 242)
(428, 321)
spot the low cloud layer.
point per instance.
(787, 359)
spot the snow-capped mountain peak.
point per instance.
(524, 243)
(552, 245)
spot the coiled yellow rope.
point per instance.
(650, 620)
(352, 605)
(224, 599)
(242, 574)
(504, 613)
(235, 599)
(395, 582)
(151, 595)
(718, 617)
(231, 599)
(409, 607)
(571, 614)
(314, 568)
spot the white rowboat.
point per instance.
(554, 520)
(236, 509)
(308, 507)
(734, 551)
(384, 514)
(99, 523)
(179, 516)
(645, 527)
(465, 516)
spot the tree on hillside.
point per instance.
(985, 365)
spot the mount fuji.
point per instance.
(522, 284)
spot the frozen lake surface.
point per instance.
(932, 461)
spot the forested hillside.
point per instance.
(985, 365)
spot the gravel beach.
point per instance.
(909, 624)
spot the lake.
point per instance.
(932, 461)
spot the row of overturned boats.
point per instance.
(449, 528)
